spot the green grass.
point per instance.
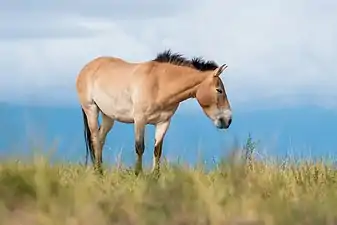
(234, 192)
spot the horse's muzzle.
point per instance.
(223, 123)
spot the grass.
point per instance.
(234, 192)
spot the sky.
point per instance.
(280, 53)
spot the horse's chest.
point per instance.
(162, 115)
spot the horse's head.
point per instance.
(212, 98)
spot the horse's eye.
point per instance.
(219, 90)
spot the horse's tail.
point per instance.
(88, 140)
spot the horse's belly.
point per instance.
(118, 107)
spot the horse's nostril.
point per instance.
(222, 121)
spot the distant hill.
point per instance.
(304, 130)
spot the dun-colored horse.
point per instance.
(147, 93)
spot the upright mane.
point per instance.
(178, 59)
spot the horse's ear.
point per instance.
(219, 70)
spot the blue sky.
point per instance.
(281, 54)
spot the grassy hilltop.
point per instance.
(234, 192)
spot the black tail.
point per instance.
(88, 142)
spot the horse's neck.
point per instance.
(183, 85)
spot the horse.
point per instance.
(147, 92)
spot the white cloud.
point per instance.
(278, 52)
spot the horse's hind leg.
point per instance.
(91, 113)
(107, 124)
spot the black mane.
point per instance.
(178, 59)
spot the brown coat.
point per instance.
(147, 93)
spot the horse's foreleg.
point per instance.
(139, 145)
(161, 129)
